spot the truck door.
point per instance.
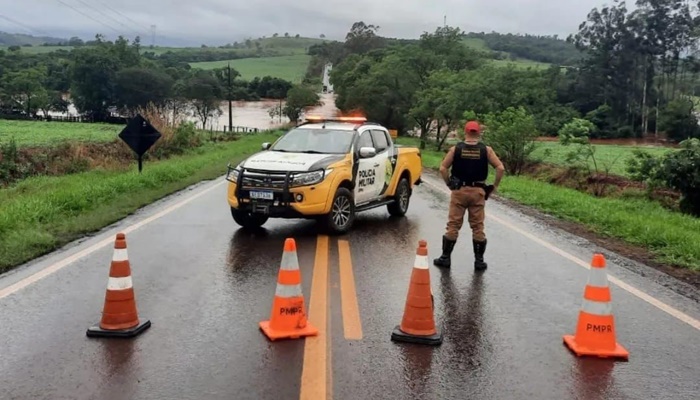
(366, 176)
(381, 163)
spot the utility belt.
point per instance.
(458, 183)
(474, 184)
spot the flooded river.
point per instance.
(255, 114)
(248, 114)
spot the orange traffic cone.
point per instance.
(119, 315)
(288, 316)
(418, 323)
(595, 331)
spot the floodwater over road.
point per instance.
(205, 285)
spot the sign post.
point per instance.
(139, 135)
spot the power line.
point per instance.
(86, 15)
(28, 28)
(100, 11)
(123, 16)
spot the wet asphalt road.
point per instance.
(205, 285)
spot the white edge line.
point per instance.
(629, 288)
(17, 286)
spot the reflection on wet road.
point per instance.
(205, 285)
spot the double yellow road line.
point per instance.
(315, 375)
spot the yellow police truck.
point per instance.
(327, 169)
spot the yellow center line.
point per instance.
(352, 325)
(314, 369)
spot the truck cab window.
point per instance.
(381, 143)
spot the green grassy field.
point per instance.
(480, 44)
(476, 44)
(41, 214)
(40, 49)
(35, 133)
(291, 68)
(295, 45)
(613, 156)
(671, 237)
(521, 63)
(554, 153)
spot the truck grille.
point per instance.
(263, 180)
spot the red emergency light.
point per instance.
(320, 118)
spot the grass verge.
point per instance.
(41, 214)
(670, 237)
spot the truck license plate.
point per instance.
(261, 195)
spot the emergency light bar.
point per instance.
(336, 119)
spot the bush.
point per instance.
(678, 170)
(578, 132)
(678, 120)
(511, 133)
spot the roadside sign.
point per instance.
(393, 133)
(139, 135)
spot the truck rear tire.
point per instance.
(248, 220)
(342, 215)
(402, 197)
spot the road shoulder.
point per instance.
(635, 258)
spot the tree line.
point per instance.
(117, 77)
(636, 74)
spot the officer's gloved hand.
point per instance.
(489, 189)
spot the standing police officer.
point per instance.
(470, 161)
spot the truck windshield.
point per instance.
(321, 141)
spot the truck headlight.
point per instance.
(310, 178)
(232, 174)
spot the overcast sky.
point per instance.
(221, 21)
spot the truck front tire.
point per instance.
(342, 215)
(248, 220)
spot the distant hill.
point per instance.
(530, 49)
(542, 49)
(18, 39)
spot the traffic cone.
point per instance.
(418, 323)
(288, 316)
(595, 331)
(119, 315)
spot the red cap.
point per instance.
(472, 126)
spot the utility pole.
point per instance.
(230, 108)
(445, 21)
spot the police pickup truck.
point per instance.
(327, 169)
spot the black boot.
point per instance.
(447, 247)
(479, 249)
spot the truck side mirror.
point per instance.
(367, 152)
(266, 145)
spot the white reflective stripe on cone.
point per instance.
(120, 283)
(288, 290)
(596, 308)
(598, 277)
(290, 261)
(421, 262)
(120, 255)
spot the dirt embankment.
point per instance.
(607, 186)
(622, 142)
(601, 185)
(66, 158)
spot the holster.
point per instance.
(488, 189)
(454, 183)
